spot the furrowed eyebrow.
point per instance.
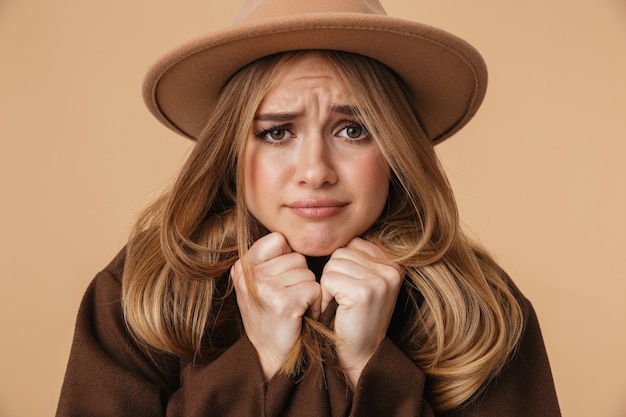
(345, 109)
(287, 116)
(277, 117)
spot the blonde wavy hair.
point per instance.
(464, 320)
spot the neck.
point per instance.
(316, 264)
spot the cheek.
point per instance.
(252, 174)
(374, 177)
(261, 180)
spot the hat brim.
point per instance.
(447, 76)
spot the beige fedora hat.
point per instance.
(447, 76)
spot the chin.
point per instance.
(316, 248)
(315, 253)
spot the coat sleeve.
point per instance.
(390, 385)
(109, 374)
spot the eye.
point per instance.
(353, 132)
(274, 134)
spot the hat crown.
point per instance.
(446, 76)
(255, 10)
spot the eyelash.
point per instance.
(364, 135)
(262, 134)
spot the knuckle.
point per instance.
(390, 273)
(363, 294)
(341, 252)
(284, 307)
(236, 268)
(266, 290)
(297, 259)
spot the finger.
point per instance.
(326, 299)
(315, 310)
(310, 295)
(291, 303)
(369, 252)
(236, 273)
(280, 265)
(330, 283)
(357, 267)
(366, 247)
(268, 247)
(349, 262)
(239, 284)
(268, 288)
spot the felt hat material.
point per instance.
(446, 75)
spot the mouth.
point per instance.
(317, 208)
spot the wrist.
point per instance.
(269, 364)
(352, 366)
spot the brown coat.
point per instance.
(108, 374)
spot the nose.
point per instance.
(316, 163)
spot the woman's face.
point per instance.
(311, 171)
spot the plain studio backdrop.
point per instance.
(539, 174)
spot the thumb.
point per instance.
(268, 247)
(327, 297)
(315, 309)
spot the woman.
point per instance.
(308, 261)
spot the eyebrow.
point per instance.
(287, 116)
(278, 117)
(345, 109)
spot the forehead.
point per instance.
(305, 74)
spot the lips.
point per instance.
(317, 208)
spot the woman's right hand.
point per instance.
(286, 289)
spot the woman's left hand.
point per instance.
(366, 293)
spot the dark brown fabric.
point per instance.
(108, 374)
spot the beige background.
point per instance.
(540, 174)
